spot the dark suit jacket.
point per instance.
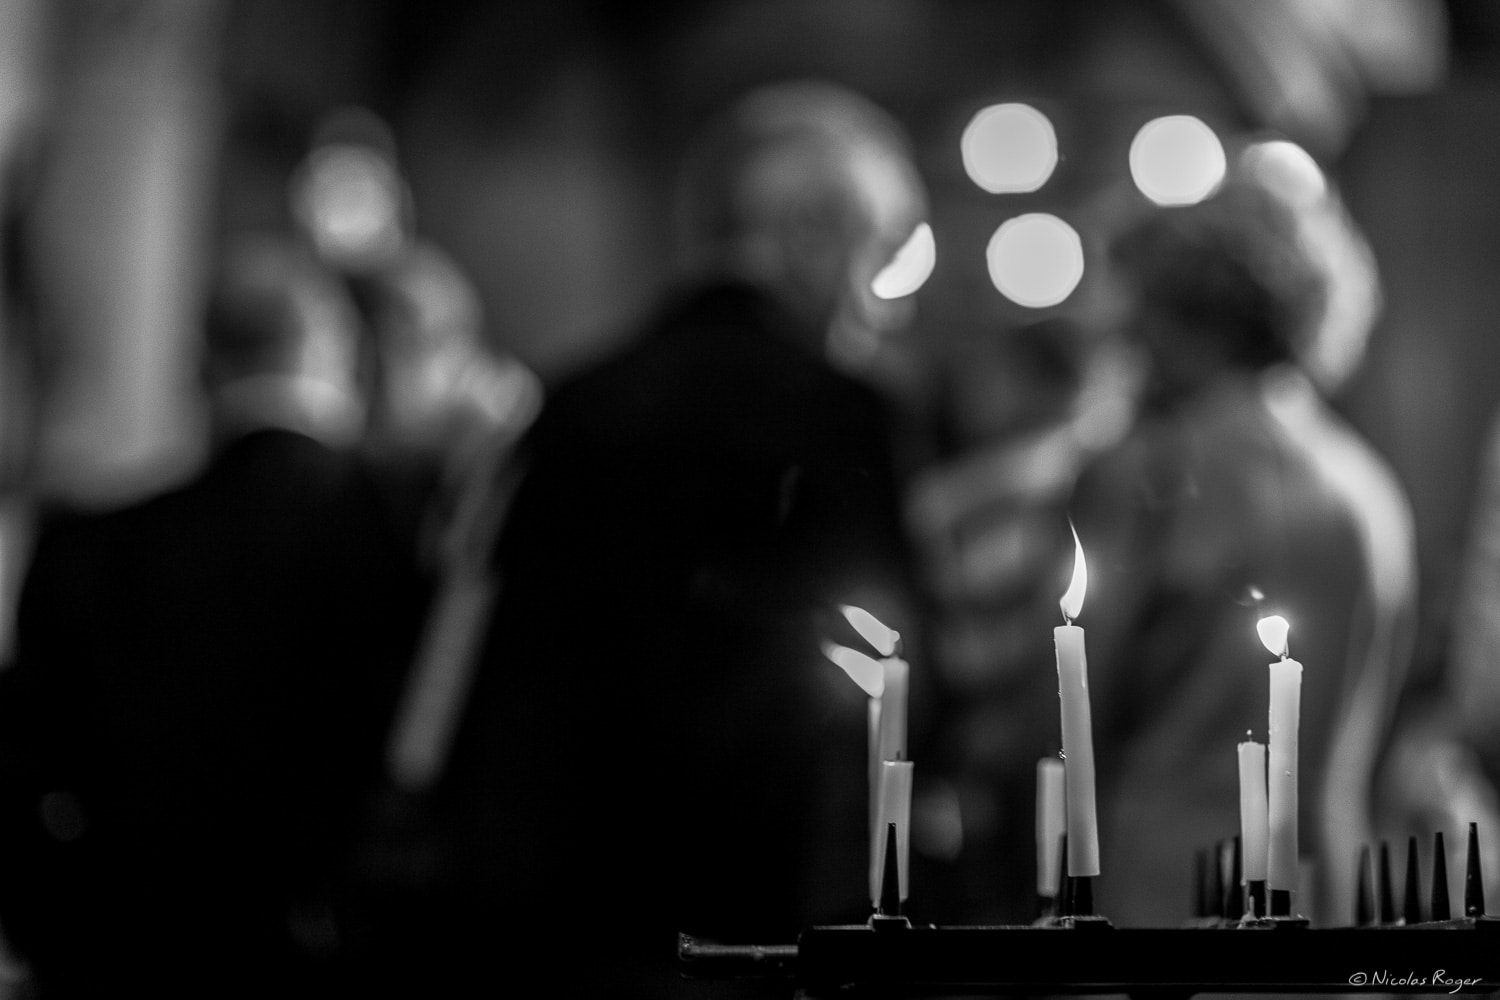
(198, 692)
(655, 739)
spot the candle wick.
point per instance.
(1066, 619)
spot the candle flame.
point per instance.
(1072, 601)
(873, 631)
(862, 670)
(1273, 632)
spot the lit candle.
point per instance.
(895, 807)
(1077, 726)
(1285, 711)
(1051, 820)
(1253, 810)
(886, 681)
(888, 713)
(870, 676)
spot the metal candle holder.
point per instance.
(891, 957)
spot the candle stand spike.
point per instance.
(1216, 880)
(1075, 899)
(1064, 883)
(1082, 904)
(1201, 904)
(1440, 909)
(1214, 887)
(1364, 899)
(1065, 898)
(888, 910)
(1387, 896)
(1281, 916)
(1080, 913)
(1411, 910)
(1473, 877)
(1234, 899)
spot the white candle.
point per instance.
(1077, 726)
(891, 724)
(869, 674)
(895, 807)
(886, 681)
(888, 715)
(1051, 820)
(873, 766)
(1253, 810)
(1285, 712)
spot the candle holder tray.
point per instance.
(1091, 956)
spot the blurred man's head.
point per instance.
(806, 190)
(279, 342)
(434, 381)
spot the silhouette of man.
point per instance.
(200, 677)
(655, 743)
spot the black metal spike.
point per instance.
(1082, 904)
(1440, 908)
(890, 876)
(1387, 895)
(1364, 901)
(1473, 877)
(1411, 909)
(1064, 883)
(1216, 881)
(1234, 899)
(1200, 884)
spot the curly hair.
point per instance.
(1233, 269)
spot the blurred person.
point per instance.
(445, 412)
(445, 419)
(655, 742)
(1239, 492)
(445, 409)
(201, 678)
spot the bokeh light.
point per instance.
(348, 197)
(910, 268)
(1009, 148)
(1035, 260)
(1177, 160)
(1287, 170)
